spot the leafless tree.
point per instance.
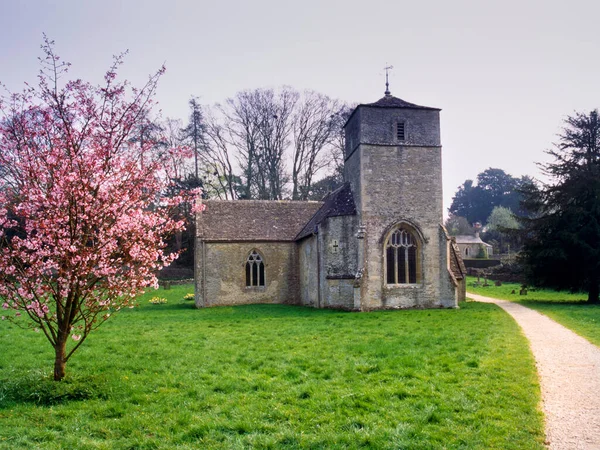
(220, 178)
(338, 149)
(259, 123)
(242, 134)
(172, 136)
(249, 139)
(315, 129)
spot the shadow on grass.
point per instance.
(39, 388)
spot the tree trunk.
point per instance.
(60, 360)
(593, 292)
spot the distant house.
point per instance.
(470, 246)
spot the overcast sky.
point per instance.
(505, 73)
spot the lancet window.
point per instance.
(255, 270)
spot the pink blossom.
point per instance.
(75, 337)
(91, 230)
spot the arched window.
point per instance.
(255, 270)
(402, 258)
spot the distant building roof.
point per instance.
(339, 203)
(254, 220)
(470, 239)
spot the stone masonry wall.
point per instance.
(309, 276)
(334, 251)
(339, 264)
(221, 275)
(378, 126)
(403, 183)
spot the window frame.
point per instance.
(416, 242)
(255, 270)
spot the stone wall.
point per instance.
(334, 251)
(221, 275)
(352, 175)
(403, 184)
(339, 261)
(309, 275)
(378, 126)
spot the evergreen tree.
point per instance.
(194, 132)
(562, 241)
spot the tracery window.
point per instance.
(402, 259)
(255, 270)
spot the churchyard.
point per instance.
(276, 376)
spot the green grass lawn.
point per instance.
(568, 309)
(276, 376)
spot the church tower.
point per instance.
(394, 166)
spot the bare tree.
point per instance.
(315, 129)
(248, 139)
(259, 125)
(172, 137)
(338, 150)
(242, 131)
(220, 179)
(275, 124)
(147, 132)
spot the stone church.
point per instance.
(377, 242)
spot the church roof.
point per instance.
(254, 220)
(339, 203)
(389, 101)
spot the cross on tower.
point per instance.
(387, 84)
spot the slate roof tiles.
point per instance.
(254, 220)
(339, 203)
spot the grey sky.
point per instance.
(505, 73)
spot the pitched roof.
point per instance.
(339, 203)
(469, 239)
(254, 220)
(389, 101)
(457, 265)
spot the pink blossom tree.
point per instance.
(82, 219)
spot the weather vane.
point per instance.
(387, 84)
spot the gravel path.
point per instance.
(569, 371)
